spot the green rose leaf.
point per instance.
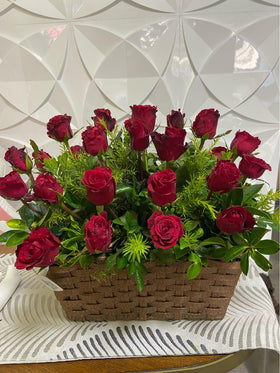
(17, 238)
(123, 188)
(218, 252)
(86, 261)
(257, 234)
(35, 147)
(180, 252)
(121, 262)
(28, 163)
(250, 192)
(244, 263)
(261, 261)
(235, 196)
(193, 257)
(194, 270)
(111, 261)
(234, 252)
(257, 212)
(16, 224)
(238, 239)
(6, 235)
(131, 268)
(139, 280)
(213, 241)
(267, 247)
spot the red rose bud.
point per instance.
(139, 134)
(98, 233)
(206, 122)
(175, 119)
(223, 177)
(244, 143)
(145, 114)
(105, 116)
(253, 167)
(162, 187)
(170, 146)
(235, 219)
(59, 128)
(94, 139)
(100, 185)
(217, 151)
(46, 187)
(37, 250)
(40, 158)
(166, 230)
(76, 150)
(12, 186)
(17, 158)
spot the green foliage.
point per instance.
(192, 201)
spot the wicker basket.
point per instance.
(167, 294)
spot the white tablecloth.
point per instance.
(33, 327)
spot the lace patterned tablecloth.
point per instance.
(33, 327)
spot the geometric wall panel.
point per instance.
(73, 56)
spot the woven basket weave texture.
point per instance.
(167, 294)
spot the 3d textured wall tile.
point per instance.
(73, 56)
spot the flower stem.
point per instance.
(70, 211)
(243, 180)
(101, 160)
(202, 141)
(31, 207)
(111, 211)
(140, 165)
(146, 160)
(209, 195)
(31, 177)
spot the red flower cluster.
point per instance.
(166, 229)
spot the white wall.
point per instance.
(72, 56)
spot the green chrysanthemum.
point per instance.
(136, 248)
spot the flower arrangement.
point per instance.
(114, 200)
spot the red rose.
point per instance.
(244, 143)
(98, 233)
(145, 114)
(45, 188)
(170, 146)
(12, 186)
(217, 151)
(94, 139)
(235, 219)
(223, 177)
(40, 159)
(76, 150)
(59, 128)
(166, 230)
(206, 122)
(162, 187)
(104, 115)
(175, 119)
(253, 167)
(37, 250)
(17, 158)
(139, 134)
(100, 185)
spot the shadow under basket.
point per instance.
(167, 294)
